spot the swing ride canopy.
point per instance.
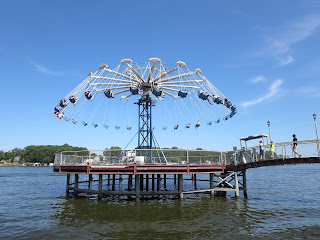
(176, 90)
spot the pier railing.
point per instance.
(122, 157)
(283, 150)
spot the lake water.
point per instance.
(283, 203)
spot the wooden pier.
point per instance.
(141, 180)
(191, 172)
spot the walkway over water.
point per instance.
(226, 169)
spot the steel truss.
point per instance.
(232, 181)
(146, 138)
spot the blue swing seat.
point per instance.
(94, 125)
(218, 100)
(72, 99)
(209, 123)
(129, 128)
(84, 123)
(203, 96)
(108, 93)
(105, 126)
(217, 121)
(134, 91)
(228, 104)
(182, 94)
(88, 95)
(117, 127)
(157, 92)
(63, 103)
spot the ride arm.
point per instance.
(135, 73)
(121, 75)
(178, 76)
(113, 79)
(165, 74)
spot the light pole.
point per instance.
(269, 130)
(315, 124)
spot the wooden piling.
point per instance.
(76, 184)
(147, 182)
(129, 182)
(152, 182)
(244, 182)
(137, 186)
(90, 181)
(100, 186)
(68, 183)
(211, 184)
(120, 182)
(158, 182)
(141, 182)
(180, 185)
(113, 182)
(236, 184)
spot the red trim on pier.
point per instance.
(142, 169)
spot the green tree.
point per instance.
(116, 151)
(1, 155)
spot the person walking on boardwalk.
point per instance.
(295, 146)
(272, 149)
(261, 148)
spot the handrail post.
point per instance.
(187, 156)
(285, 151)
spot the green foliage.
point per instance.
(40, 153)
(113, 153)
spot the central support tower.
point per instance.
(145, 137)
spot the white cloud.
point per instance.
(43, 69)
(280, 42)
(273, 90)
(289, 59)
(258, 79)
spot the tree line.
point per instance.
(33, 153)
(46, 153)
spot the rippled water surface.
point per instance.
(283, 203)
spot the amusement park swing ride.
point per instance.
(148, 84)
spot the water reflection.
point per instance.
(201, 217)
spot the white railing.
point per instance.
(120, 157)
(284, 150)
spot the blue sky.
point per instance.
(263, 55)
